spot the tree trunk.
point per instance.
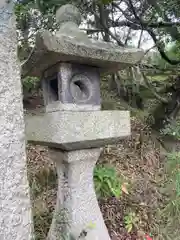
(15, 208)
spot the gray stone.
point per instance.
(76, 196)
(15, 208)
(70, 44)
(58, 106)
(68, 13)
(71, 84)
(70, 130)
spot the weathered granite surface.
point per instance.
(70, 130)
(70, 44)
(68, 13)
(58, 106)
(15, 207)
(68, 85)
(76, 194)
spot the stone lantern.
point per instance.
(73, 126)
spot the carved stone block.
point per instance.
(67, 85)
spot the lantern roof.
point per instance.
(70, 44)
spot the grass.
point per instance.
(168, 214)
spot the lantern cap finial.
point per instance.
(68, 13)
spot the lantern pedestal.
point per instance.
(77, 207)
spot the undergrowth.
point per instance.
(107, 183)
(170, 211)
(172, 129)
(131, 220)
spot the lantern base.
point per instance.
(77, 212)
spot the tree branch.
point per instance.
(161, 51)
(106, 29)
(140, 38)
(153, 35)
(136, 26)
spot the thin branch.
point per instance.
(134, 11)
(106, 29)
(144, 7)
(135, 25)
(149, 49)
(92, 30)
(140, 38)
(153, 35)
(25, 61)
(127, 37)
(122, 11)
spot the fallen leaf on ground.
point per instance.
(124, 188)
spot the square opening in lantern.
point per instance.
(52, 89)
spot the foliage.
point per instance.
(130, 221)
(173, 167)
(30, 84)
(158, 19)
(172, 129)
(22, 15)
(43, 5)
(172, 50)
(107, 183)
(169, 213)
